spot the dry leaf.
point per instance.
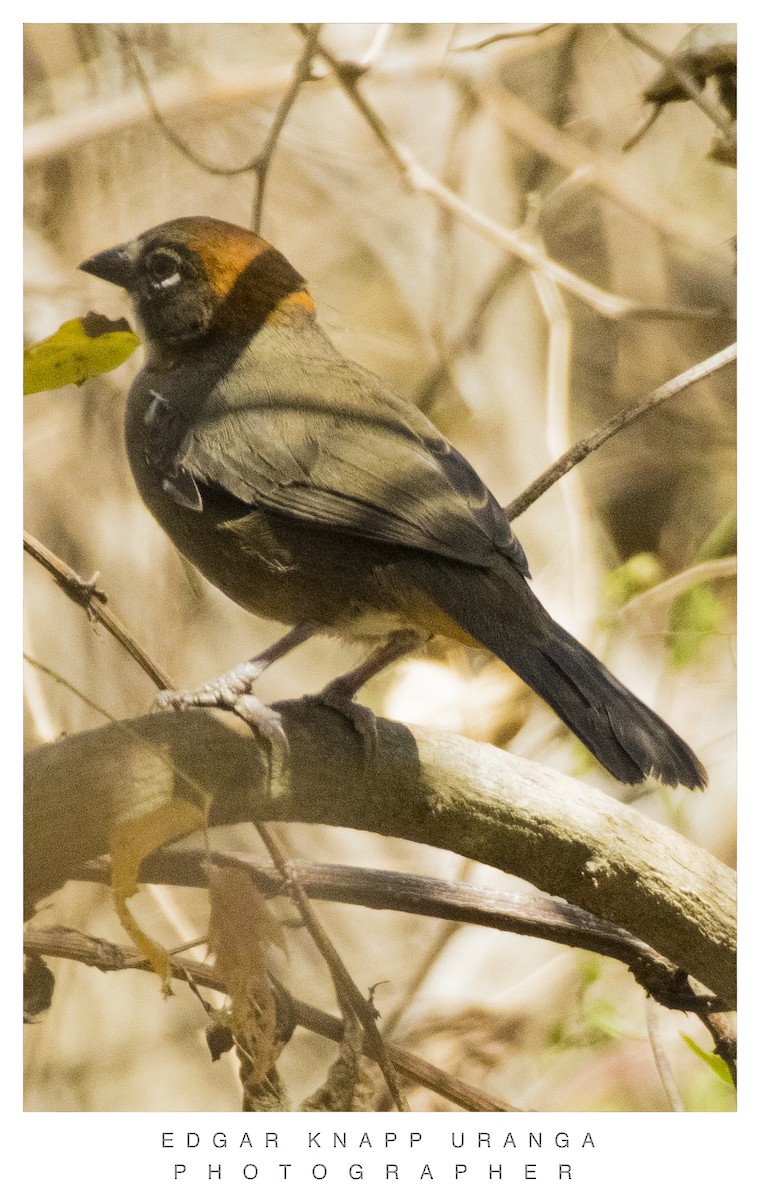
(242, 929)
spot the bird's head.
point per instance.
(197, 276)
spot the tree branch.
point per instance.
(415, 176)
(616, 424)
(350, 999)
(462, 904)
(442, 790)
(94, 602)
(675, 69)
(59, 942)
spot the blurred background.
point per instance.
(131, 125)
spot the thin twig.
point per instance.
(259, 164)
(94, 602)
(349, 996)
(179, 143)
(557, 433)
(724, 1035)
(420, 180)
(666, 591)
(715, 112)
(510, 35)
(444, 268)
(262, 163)
(444, 935)
(617, 423)
(661, 1059)
(59, 942)
(54, 675)
(467, 338)
(175, 93)
(614, 181)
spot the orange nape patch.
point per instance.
(285, 307)
(423, 612)
(226, 252)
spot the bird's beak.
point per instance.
(115, 265)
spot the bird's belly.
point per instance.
(329, 584)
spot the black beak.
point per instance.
(115, 265)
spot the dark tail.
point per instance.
(501, 612)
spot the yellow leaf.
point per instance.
(79, 349)
(131, 841)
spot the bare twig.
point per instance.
(259, 164)
(179, 143)
(721, 1028)
(444, 935)
(468, 336)
(262, 163)
(616, 182)
(557, 432)
(415, 176)
(58, 942)
(643, 129)
(666, 591)
(94, 602)
(617, 423)
(54, 675)
(660, 1057)
(175, 94)
(349, 996)
(715, 112)
(510, 35)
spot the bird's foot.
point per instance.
(340, 693)
(231, 692)
(223, 692)
(338, 697)
(268, 723)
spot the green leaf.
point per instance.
(601, 1018)
(636, 575)
(714, 1061)
(694, 616)
(721, 540)
(78, 350)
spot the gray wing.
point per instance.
(380, 471)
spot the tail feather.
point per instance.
(622, 732)
(501, 612)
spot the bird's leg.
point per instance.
(232, 691)
(339, 694)
(224, 691)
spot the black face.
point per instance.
(173, 299)
(172, 288)
(166, 281)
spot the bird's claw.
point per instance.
(363, 719)
(267, 722)
(232, 693)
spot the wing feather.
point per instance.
(365, 462)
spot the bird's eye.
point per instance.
(163, 269)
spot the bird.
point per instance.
(312, 494)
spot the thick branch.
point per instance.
(566, 838)
(534, 916)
